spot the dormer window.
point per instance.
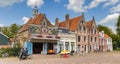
(44, 24)
(80, 28)
(82, 21)
(91, 31)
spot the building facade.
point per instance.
(39, 35)
(67, 40)
(105, 42)
(86, 34)
(73, 34)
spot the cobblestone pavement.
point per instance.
(91, 58)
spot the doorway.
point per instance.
(37, 48)
(50, 48)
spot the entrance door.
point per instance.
(28, 45)
(50, 47)
(37, 48)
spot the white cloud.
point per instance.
(110, 18)
(1, 25)
(79, 5)
(113, 28)
(4, 3)
(25, 19)
(110, 21)
(57, 1)
(110, 2)
(32, 3)
(76, 5)
(115, 9)
(95, 3)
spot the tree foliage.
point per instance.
(118, 32)
(107, 30)
(11, 30)
(118, 26)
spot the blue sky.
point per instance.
(105, 12)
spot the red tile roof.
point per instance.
(73, 23)
(89, 24)
(36, 21)
(106, 36)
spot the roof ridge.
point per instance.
(4, 34)
(72, 18)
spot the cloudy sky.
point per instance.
(105, 12)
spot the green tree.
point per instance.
(14, 29)
(11, 30)
(107, 30)
(118, 32)
(6, 31)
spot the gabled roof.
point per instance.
(4, 35)
(36, 20)
(89, 24)
(72, 23)
(3, 39)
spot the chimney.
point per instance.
(67, 20)
(56, 22)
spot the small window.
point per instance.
(84, 29)
(80, 28)
(95, 39)
(78, 38)
(91, 39)
(84, 38)
(91, 31)
(44, 24)
(95, 32)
